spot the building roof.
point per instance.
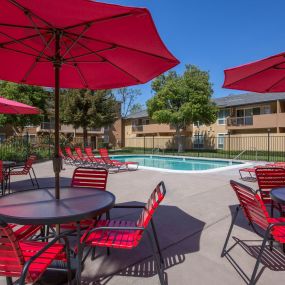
(140, 114)
(248, 98)
(231, 101)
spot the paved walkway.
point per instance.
(191, 223)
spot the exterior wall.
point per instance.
(116, 134)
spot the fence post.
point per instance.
(198, 143)
(152, 144)
(27, 144)
(268, 144)
(229, 142)
(144, 144)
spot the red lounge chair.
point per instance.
(267, 179)
(88, 177)
(28, 260)
(273, 229)
(24, 170)
(66, 159)
(128, 234)
(74, 158)
(115, 163)
(84, 158)
(95, 160)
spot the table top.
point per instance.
(36, 207)
(278, 195)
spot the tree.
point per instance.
(127, 96)
(136, 108)
(88, 109)
(182, 99)
(31, 95)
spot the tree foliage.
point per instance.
(180, 100)
(88, 109)
(137, 107)
(127, 96)
(27, 94)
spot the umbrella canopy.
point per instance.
(78, 44)
(16, 108)
(265, 75)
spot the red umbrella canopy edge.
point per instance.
(13, 107)
(262, 76)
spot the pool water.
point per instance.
(175, 163)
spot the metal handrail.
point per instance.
(242, 152)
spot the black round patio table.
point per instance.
(278, 195)
(39, 207)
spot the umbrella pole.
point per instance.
(56, 159)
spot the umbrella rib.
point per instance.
(18, 51)
(103, 19)
(87, 27)
(21, 26)
(38, 31)
(105, 59)
(19, 42)
(276, 83)
(37, 60)
(123, 46)
(77, 69)
(26, 10)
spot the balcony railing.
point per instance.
(47, 126)
(240, 121)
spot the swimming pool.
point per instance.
(180, 164)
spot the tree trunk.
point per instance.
(179, 140)
(85, 137)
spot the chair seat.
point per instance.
(20, 172)
(126, 239)
(30, 248)
(25, 232)
(73, 226)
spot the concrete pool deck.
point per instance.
(192, 223)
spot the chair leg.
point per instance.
(9, 281)
(252, 279)
(67, 252)
(156, 241)
(230, 231)
(35, 178)
(93, 253)
(156, 259)
(31, 178)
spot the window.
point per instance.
(145, 121)
(198, 141)
(221, 141)
(222, 116)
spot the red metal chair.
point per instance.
(116, 163)
(128, 234)
(92, 178)
(66, 159)
(85, 159)
(267, 179)
(271, 229)
(73, 158)
(28, 260)
(95, 160)
(24, 170)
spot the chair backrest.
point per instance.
(29, 163)
(104, 152)
(90, 177)
(268, 178)
(88, 151)
(11, 256)
(153, 202)
(252, 205)
(79, 152)
(68, 151)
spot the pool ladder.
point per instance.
(242, 152)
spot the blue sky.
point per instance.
(216, 35)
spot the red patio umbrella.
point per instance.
(78, 44)
(16, 108)
(265, 75)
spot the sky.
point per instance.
(216, 34)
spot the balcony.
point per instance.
(155, 128)
(256, 121)
(45, 126)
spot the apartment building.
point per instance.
(249, 114)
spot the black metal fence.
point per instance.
(266, 147)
